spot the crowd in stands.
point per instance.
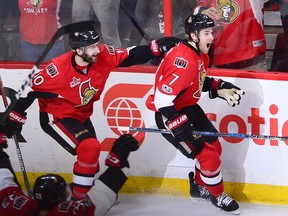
(26, 26)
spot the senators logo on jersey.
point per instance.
(87, 92)
(180, 63)
(202, 75)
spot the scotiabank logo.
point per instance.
(255, 123)
(120, 110)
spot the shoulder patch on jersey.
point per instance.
(51, 70)
(111, 50)
(19, 202)
(180, 62)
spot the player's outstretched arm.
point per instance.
(143, 53)
(107, 186)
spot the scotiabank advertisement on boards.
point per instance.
(263, 110)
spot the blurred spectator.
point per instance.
(280, 54)
(65, 17)
(240, 41)
(106, 12)
(65, 12)
(147, 13)
(4, 48)
(283, 6)
(125, 24)
(38, 23)
(9, 31)
(151, 17)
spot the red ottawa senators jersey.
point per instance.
(76, 91)
(14, 202)
(179, 78)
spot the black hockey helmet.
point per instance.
(83, 39)
(194, 23)
(49, 190)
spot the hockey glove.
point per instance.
(180, 127)
(162, 45)
(14, 123)
(227, 91)
(3, 141)
(120, 151)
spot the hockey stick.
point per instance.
(18, 150)
(135, 23)
(74, 27)
(206, 133)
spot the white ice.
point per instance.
(158, 205)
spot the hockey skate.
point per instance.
(198, 192)
(225, 204)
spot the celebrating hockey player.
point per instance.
(51, 193)
(180, 79)
(67, 88)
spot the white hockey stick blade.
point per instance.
(123, 128)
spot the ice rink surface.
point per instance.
(158, 205)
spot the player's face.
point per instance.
(205, 39)
(92, 51)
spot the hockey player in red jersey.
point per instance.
(51, 193)
(180, 79)
(67, 88)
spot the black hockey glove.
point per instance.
(182, 131)
(14, 122)
(180, 127)
(120, 151)
(3, 141)
(227, 91)
(162, 45)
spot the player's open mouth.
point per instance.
(208, 45)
